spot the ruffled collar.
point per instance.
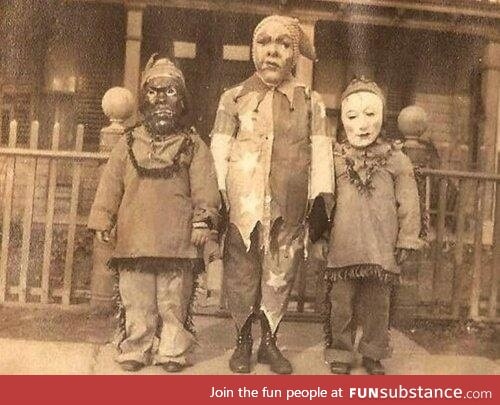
(379, 148)
(362, 164)
(159, 157)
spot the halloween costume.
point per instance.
(157, 189)
(376, 213)
(272, 148)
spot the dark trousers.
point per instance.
(363, 300)
(255, 280)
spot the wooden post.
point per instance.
(118, 105)
(70, 245)
(458, 274)
(28, 216)
(475, 291)
(437, 277)
(49, 218)
(132, 68)
(495, 269)
(7, 211)
(490, 90)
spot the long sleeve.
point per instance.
(225, 128)
(322, 169)
(406, 192)
(322, 176)
(110, 190)
(203, 180)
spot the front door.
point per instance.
(211, 48)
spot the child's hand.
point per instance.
(402, 255)
(103, 236)
(199, 236)
(319, 250)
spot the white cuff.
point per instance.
(322, 169)
(220, 147)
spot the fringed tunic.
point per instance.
(376, 211)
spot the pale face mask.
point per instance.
(362, 114)
(273, 53)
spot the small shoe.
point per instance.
(131, 365)
(339, 367)
(172, 367)
(374, 367)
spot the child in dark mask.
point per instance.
(159, 191)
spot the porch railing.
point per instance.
(467, 236)
(456, 275)
(30, 271)
(46, 250)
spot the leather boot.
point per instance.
(269, 353)
(241, 358)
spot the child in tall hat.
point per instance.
(159, 191)
(272, 148)
(375, 224)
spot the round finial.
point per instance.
(118, 104)
(413, 121)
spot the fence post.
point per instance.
(118, 104)
(458, 275)
(73, 212)
(28, 216)
(438, 271)
(8, 194)
(475, 291)
(49, 216)
(495, 269)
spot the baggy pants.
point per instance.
(257, 280)
(151, 297)
(366, 300)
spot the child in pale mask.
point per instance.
(376, 222)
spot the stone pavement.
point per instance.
(301, 342)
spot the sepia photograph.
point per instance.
(249, 187)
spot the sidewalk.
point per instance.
(301, 342)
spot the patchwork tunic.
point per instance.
(153, 191)
(273, 155)
(377, 210)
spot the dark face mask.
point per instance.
(162, 105)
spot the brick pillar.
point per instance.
(118, 104)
